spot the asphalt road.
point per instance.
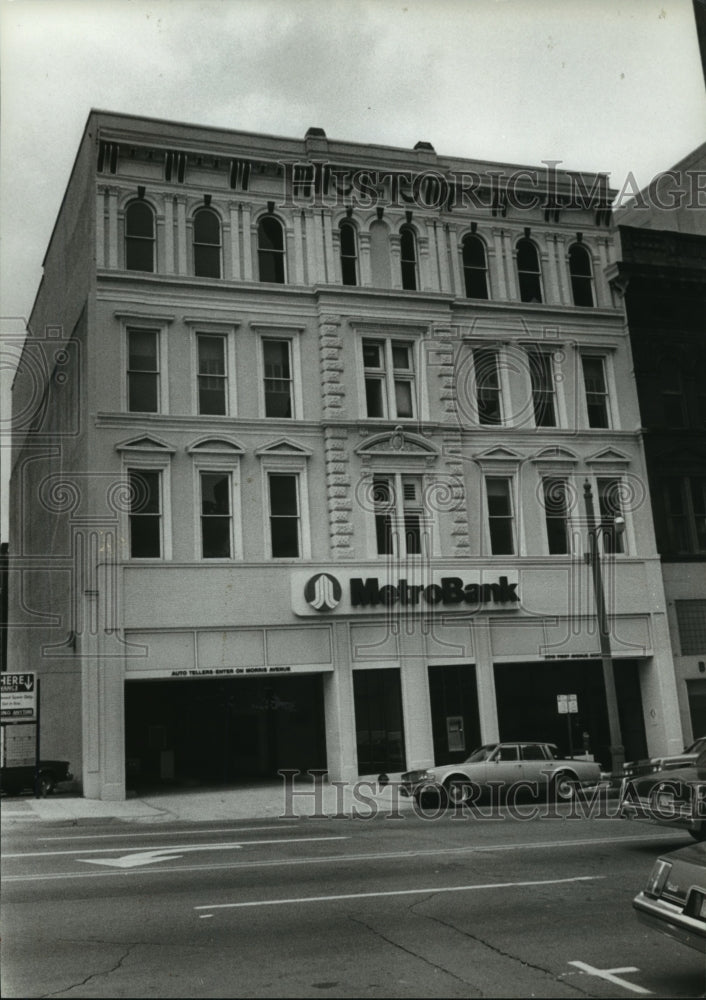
(401, 907)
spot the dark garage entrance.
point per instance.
(222, 732)
(527, 705)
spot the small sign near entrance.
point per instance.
(18, 697)
(567, 704)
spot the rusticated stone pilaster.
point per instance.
(338, 492)
(453, 458)
(331, 367)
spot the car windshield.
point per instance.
(696, 746)
(482, 753)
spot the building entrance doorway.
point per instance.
(378, 721)
(222, 732)
(454, 712)
(527, 706)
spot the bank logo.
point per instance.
(323, 592)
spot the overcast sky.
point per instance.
(611, 85)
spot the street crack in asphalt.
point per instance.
(413, 954)
(498, 951)
(95, 975)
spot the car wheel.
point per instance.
(457, 792)
(564, 786)
(47, 784)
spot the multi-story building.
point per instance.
(302, 431)
(662, 273)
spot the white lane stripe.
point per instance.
(398, 892)
(326, 859)
(172, 848)
(169, 833)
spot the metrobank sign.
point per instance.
(362, 591)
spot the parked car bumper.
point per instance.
(661, 915)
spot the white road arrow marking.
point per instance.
(141, 858)
(168, 853)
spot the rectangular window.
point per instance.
(398, 514)
(215, 515)
(609, 508)
(388, 371)
(691, 619)
(556, 512)
(594, 378)
(543, 389)
(685, 508)
(145, 514)
(143, 371)
(212, 379)
(285, 527)
(500, 516)
(485, 362)
(278, 378)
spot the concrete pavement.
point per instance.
(274, 799)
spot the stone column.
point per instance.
(315, 249)
(443, 258)
(234, 209)
(498, 280)
(169, 234)
(329, 256)
(485, 681)
(601, 287)
(423, 264)
(563, 270)
(513, 289)
(395, 261)
(112, 227)
(457, 282)
(181, 257)
(246, 229)
(100, 225)
(366, 279)
(297, 270)
(552, 291)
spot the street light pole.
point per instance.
(617, 751)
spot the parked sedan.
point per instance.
(16, 779)
(674, 899)
(649, 765)
(673, 797)
(502, 766)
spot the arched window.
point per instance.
(270, 249)
(581, 275)
(475, 268)
(139, 237)
(349, 254)
(528, 271)
(408, 258)
(207, 244)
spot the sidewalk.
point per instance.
(269, 800)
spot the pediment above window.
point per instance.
(498, 454)
(215, 446)
(146, 443)
(608, 456)
(283, 447)
(398, 443)
(498, 459)
(556, 454)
